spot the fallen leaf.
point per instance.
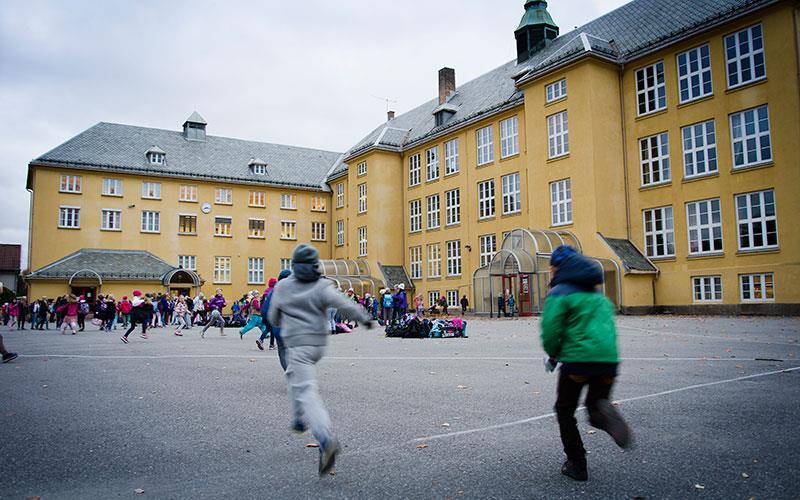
(699, 487)
(591, 431)
(421, 446)
(445, 424)
(138, 491)
(745, 475)
(312, 445)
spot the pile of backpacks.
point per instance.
(411, 327)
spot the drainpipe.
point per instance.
(624, 154)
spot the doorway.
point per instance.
(186, 292)
(89, 292)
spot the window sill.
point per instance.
(319, 211)
(256, 206)
(700, 177)
(703, 256)
(656, 185)
(651, 113)
(701, 302)
(222, 282)
(487, 219)
(454, 277)
(225, 204)
(432, 229)
(555, 101)
(562, 226)
(256, 237)
(149, 198)
(415, 232)
(71, 192)
(111, 230)
(429, 181)
(319, 241)
(359, 214)
(667, 258)
(511, 214)
(412, 186)
(288, 239)
(433, 278)
(485, 164)
(509, 157)
(758, 251)
(67, 227)
(187, 201)
(150, 232)
(747, 85)
(187, 234)
(287, 208)
(452, 174)
(754, 166)
(223, 236)
(696, 100)
(451, 226)
(111, 195)
(557, 158)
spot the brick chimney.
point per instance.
(447, 83)
(389, 116)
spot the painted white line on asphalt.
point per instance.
(709, 337)
(627, 400)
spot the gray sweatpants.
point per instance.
(301, 376)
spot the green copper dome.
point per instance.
(536, 15)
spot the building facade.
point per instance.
(661, 144)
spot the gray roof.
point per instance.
(394, 275)
(632, 259)
(109, 146)
(196, 118)
(134, 265)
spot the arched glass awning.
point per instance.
(353, 274)
(181, 277)
(514, 261)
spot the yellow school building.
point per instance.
(658, 139)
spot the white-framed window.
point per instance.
(454, 258)
(434, 261)
(151, 190)
(486, 199)
(651, 93)
(110, 219)
(257, 199)
(414, 176)
(318, 232)
(188, 262)
(69, 217)
(707, 288)
(452, 298)
(561, 202)
(362, 241)
(654, 159)
(259, 169)
(414, 216)
(340, 195)
(318, 204)
(485, 140)
(757, 287)
(157, 158)
(557, 135)
(744, 56)
(432, 203)
(151, 221)
(223, 196)
(187, 224)
(699, 149)
(704, 223)
(187, 192)
(256, 228)
(694, 73)
(756, 219)
(112, 187)
(750, 137)
(362, 168)
(222, 226)
(222, 269)
(452, 207)
(288, 201)
(362, 198)
(286, 264)
(288, 230)
(415, 262)
(432, 163)
(512, 202)
(488, 246)
(659, 232)
(71, 184)
(556, 90)
(509, 137)
(340, 233)
(255, 270)
(451, 165)
(433, 298)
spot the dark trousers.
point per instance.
(81, 321)
(569, 392)
(137, 320)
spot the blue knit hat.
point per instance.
(285, 273)
(561, 253)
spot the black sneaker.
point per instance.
(9, 356)
(575, 469)
(611, 421)
(298, 427)
(327, 456)
(260, 345)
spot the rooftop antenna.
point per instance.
(388, 100)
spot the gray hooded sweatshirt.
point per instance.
(300, 308)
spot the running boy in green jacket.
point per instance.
(578, 331)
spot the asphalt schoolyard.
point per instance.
(713, 403)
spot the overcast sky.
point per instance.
(303, 73)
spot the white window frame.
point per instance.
(286, 264)
(112, 187)
(759, 221)
(318, 231)
(74, 217)
(362, 241)
(733, 61)
(452, 298)
(340, 233)
(362, 198)
(454, 258)
(156, 158)
(434, 260)
(706, 289)
(256, 233)
(414, 170)
(255, 271)
(741, 140)
(318, 204)
(257, 199)
(486, 208)
(433, 206)
(487, 245)
(221, 228)
(657, 238)
(194, 216)
(654, 160)
(109, 222)
(415, 262)
(288, 230)
(432, 164)
(452, 207)
(187, 193)
(222, 269)
(765, 282)
(704, 227)
(651, 90)
(451, 165)
(433, 298)
(150, 221)
(362, 168)
(415, 216)
(699, 149)
(70, 184)
(259, 169)
(694, 73)
(484, 137)
(151, 190)
(509, 137)
(288, 201)
(188, 262)
(555, 91)
(557, 135)
(340, 195)
(561, 202)
(223, 196)
(512, 197)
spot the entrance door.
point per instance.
(525, 295)
(509, 287)
(186, 292)
(89, 292)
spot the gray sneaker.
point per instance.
(327, 456)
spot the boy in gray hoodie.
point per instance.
(299, 307)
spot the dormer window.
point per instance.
(156, 156)
(258, 166)
(194, 128)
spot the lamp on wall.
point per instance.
(131, 206)
(468, 247)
